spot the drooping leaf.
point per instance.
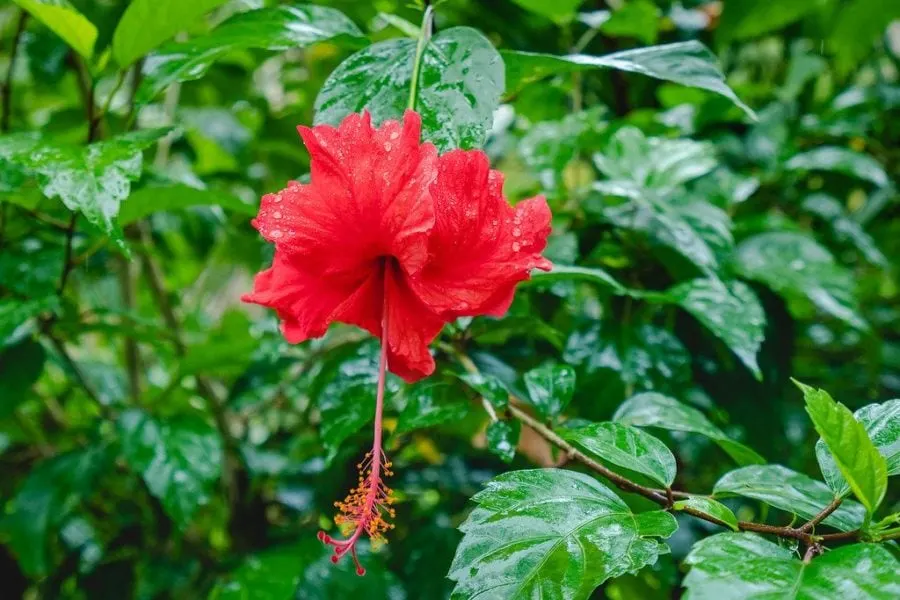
(790, 491)
(561, 11)
(687, 63)
(651, 409)
(794, 265)
(573, 273)
(148, 200)
(550, 388)
(146, 24)
(503, 438)
(551, 533)
(710, 507)
(845, 228)
(857, 458)
(429, 404)
(180, 459)
(64, 20)
(52, 490)
(743, 19)
(882, 424)
(626, 447)
(20, 366)
(840, 160)
(460, 84)
(273, 28)
(744, 566)
(730, 310)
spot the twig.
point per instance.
(76, 372)
(8, 82)
(68, 263)
(810, 525)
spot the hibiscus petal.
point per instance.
(480, 247)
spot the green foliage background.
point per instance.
(714, 238)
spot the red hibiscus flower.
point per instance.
(395, 239)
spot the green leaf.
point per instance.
(882, 425)
(845, 227)
(637, 19)
(502, 438)
(856, 456)
(710, 507)
(148, 23)
(460, 85)
(561, 11)
(64, 20)
(795, 266)
(744, 566)
(93, 180)
(274, 28)
(491, 389)
(429, 404)
(651, 409)
(857, 24)
(20, 367)
(148, 200)
(572, 273)
(626, 447)
(687, 63)
(840, 160)
(550, 388)
(53, 489)
(15, 313)
(180, 459)
(790, 491)
(730, 310)
(743, 19)
(551, 533)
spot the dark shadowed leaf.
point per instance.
(561, 11)
(429, 404)
(20, 366)
(748, 18)
(554, 534)
(626, 447)
(845, 228)
(148, 200)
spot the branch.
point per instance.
(76, 372)
(8, 82)
(810, 525)
(68, 263)
(661, 497)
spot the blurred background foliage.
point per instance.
(160, 440)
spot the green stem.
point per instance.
(424, 36)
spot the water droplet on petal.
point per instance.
(395, 135)
(276, 233)
(277, 198)
(387, 146)
(517, 232)
(276, 214)
(516, 246)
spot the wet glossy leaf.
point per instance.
(554, 534)
(146, 24)
(502, 438)
(651, 409)
(20, 366)
(794, 265)
(688, 63)
(15, 313)
(561, 11)
(52, 490)
(748, 18)
(790, 491)
(730, 310)
(709, 507)
(274, 28)
(744, 566)
(845, 228)
(882, 424)
(572, 273)
(148, 200)
(550, 388)
(857, 458)
(429, 404)
(491, 389)
(180, 459)
(64, 20)
(459, 86)
(626, 447)
(840, 160)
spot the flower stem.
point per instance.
(424, 36)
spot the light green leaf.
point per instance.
(637, 19)
(146, 24)
(857, 24)
(791, 492)
(710, 507)
(180, 460)
(840, 160)
(651, 409)
(550, 388)
(744, 566)
(274, 28)
(796, 266)
(743, 19)
(460, 86)
(856, 456)
(52, 490)
(561, 11)
(687, 63)
(502, 438)
(554, 534)
(20, 367)
(730, 310)
(429, 404)
(626, 447)
(64, 20)
(148, 200)
(882, 424)
(572, 273)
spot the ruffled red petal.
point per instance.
(480, 247)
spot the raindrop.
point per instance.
(277, 198)
(276, 214)
(517, 232)
(516, 246)
(395, 135)
(797, 264)
(277, 233)
(387, 146)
